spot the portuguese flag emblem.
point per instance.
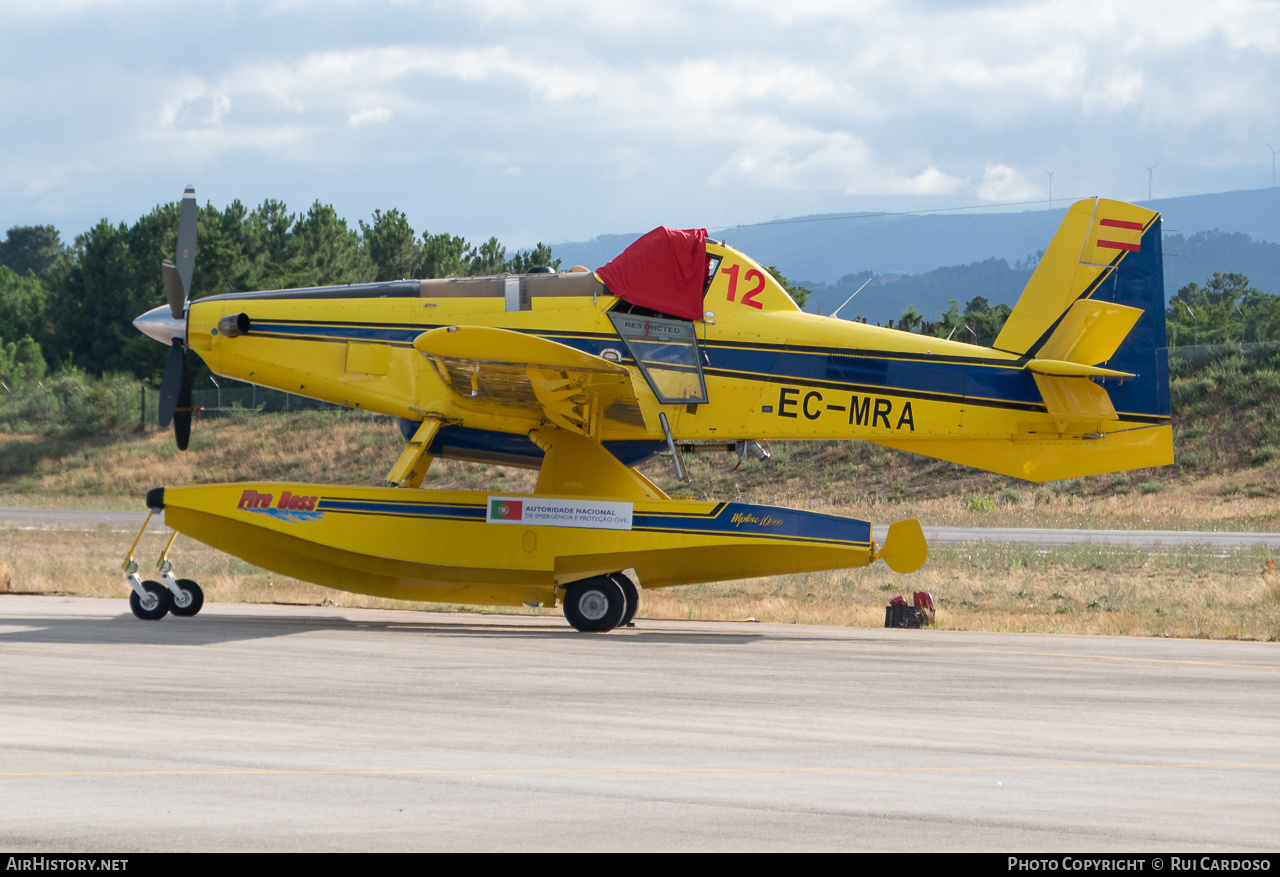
(506, 510)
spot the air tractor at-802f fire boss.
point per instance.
(679, 343)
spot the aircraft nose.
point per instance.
(158, 323)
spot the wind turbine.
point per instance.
(1051, 173)
(1150, 168)
(1273, 164)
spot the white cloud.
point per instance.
(932, 181)
(371, 115)
(1002, 183)
(744, 108)
(779, 157)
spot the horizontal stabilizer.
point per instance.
(1090, 332)
(1058, 368)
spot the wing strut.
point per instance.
(414, 462)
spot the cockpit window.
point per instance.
(667, 353)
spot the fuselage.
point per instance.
(771, 371)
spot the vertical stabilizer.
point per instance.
(1097, 297)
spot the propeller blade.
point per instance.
(186, 258)
(175, 368)
(182, 416)
(173, 289)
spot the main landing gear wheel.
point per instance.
(190, 601)
(632, 594)
(594, 605)
(155, 605)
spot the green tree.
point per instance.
(223, 263)
(97, 299)
(980, 323)
(21, 365)
(112, 273)
(33, 248)
(392, 246)
(265, 241)
(1225, 310)
(489, 258)
(443, 255)
(323, 251)
(526, 260)
(22, 306)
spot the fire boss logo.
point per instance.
(291, 506)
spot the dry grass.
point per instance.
(1082, 590)
(117, 469)
(877, 484)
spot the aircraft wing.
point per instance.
(499, 371)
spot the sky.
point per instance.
(559, 120)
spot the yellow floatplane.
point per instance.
(680, 344)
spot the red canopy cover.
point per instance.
(664, 270)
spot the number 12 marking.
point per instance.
(750, 298)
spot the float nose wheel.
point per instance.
(152, 600)
(153, 603)
(595, 605)
(188, 597)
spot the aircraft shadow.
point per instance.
(124, 629)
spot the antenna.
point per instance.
(1051, 173)
(1273, 164)
(1150, 168)
(850, 298)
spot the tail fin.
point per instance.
(1089, 327)
(1097, 296)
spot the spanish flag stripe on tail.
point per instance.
(1121, 223)
(1118, 245)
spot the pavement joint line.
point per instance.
(1055, 654)
(633, 771)
(1034, 654)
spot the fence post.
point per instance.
(142, 408)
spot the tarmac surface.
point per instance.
(305, 728)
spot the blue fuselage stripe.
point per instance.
(926, 377)
(740, 519)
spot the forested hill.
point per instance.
(822, 249)
(1187, 260)
(73, 306)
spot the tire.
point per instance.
(195, 599)
(632, 595)
(594, 605)
(157, 608)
